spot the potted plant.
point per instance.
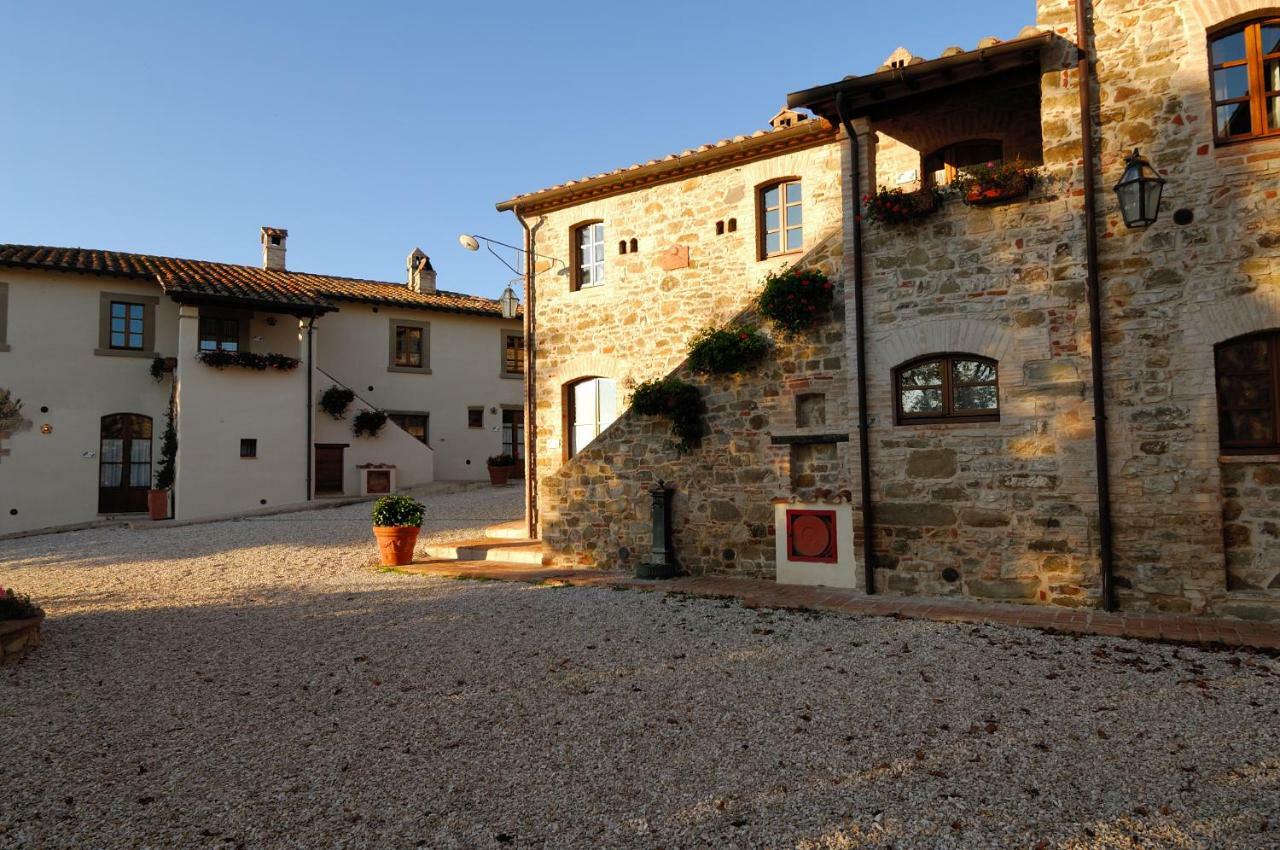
(335, 401)
(796, 300)
(895, 206)
(678, 401)
(995, 182)
(727, 350)
(396, 523)
(500, 469)
(158, 497)
(367, 423)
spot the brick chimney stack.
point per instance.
(273, 239)
(422, 278)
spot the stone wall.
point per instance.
(17, 638)
(637, 326)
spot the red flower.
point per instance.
(826, 286)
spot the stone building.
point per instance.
(976, 354)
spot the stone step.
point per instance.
(523, 551)
(517, 529)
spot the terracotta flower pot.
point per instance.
(499, 475)
(395, 543)
(981, 196)
(158, 504)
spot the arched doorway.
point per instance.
(124, 463)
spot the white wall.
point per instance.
(352, 345)
(218, 407)
(414, 462)
(52, 479)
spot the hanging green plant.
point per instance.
(220, 359)
(678, 401)
(894, 206)
(335, 401)
(168, 453)
(730, 349)
(796, 300)
(367, 423)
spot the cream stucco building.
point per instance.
(97, 345)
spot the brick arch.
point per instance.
(1209, 14)
(962, 127)
(1245, 314)
(988, 339)
(588, 366)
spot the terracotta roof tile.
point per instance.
(180, 277)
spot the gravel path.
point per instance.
(254, 684)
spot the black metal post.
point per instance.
(662, 560)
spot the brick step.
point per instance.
(517, 529)
(523, 551)
(492, 570)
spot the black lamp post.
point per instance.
(1139, 191)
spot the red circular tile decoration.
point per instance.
(810, 536)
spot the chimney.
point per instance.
(273, 239)
(422, 278)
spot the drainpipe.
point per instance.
(1092, 287)
(859, 312)
(530, 398)
(311, 370)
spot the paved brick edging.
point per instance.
(17, 638)
(757, 593)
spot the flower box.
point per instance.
(985, 195)
(894, 206)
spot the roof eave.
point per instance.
(877, 90)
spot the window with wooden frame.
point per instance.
(416, 425)
(780, 217)
(410, 346)
(1248, 379)
(947, 388)
(128, 325)
(475, 417)
(588, 243)
(1244, 63)
(942, 166)
(512, 354)
(219, 333)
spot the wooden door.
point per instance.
(513, 439)
(124, 463)
(329, 467)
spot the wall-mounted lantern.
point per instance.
(1139, 191)
(509, 303)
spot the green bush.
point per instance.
(368, 423)
(220, 359)
(335, 400)
(398, 511)
(678, 401)
(796, 300)
(727, 350)
(17, 606)
(502, 460)
(168, 453)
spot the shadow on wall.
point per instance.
(596, 506)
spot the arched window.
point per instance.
(943, 165)
(1244, 67)
(588, 245)
(1248, 396)
(592, 407)
(947, 388)
(780, 217)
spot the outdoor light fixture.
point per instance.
(509, 303)
(468, 242)
(1139, 191)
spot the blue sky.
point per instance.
(368, 128)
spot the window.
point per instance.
(1247, 370)
(475, 417)
(951, 388)
(512, 354)
(593, 405)
(1245, 79)
(127, 325)
(410, 349)
(219, 333)
(943, 166)
(416, 425)
(248, 447)
(781, 229)
(588, 240)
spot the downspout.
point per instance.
(859, 312)
(311, 371)
(1092, 288)
(530, 397)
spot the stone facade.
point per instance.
(1003, 509)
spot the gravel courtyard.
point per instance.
(256, 684)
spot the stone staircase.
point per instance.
(506, 544)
